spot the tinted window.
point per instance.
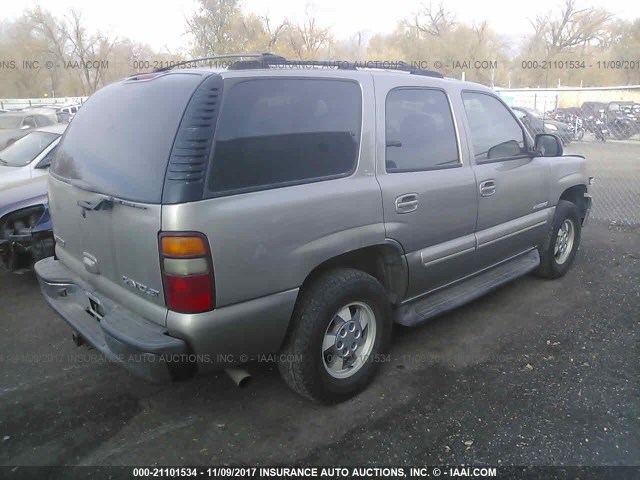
(119, 143)
(420, 134)
(495, 133)
(26, 149)
(284, 131)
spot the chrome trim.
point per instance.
(509, 235)
(446, 257)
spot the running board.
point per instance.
(441, 301)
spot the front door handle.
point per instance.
(487, 188)
(407, 203)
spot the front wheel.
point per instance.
(340, 328)
(561, 245)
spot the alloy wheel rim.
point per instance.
(564, 241)
(348, 340)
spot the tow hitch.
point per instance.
(77, 339)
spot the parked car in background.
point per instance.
(29, 156)
(295, 212)
(43, 110)
(16, 125)
(592, 108)
(537, 122)
(25, 225)
(623, 120)
(70, 109)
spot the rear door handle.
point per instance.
(407, 203)
(487, 188)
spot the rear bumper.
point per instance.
(123, 337)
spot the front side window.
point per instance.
(420, 133)
(277, 132)
(495, 134)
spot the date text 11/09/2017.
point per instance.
(580, 64)
(310, 472)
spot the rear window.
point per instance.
(277, 132)
(120, 141)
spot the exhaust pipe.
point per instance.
(239, 376)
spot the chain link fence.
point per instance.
(603, 124)
(616, 167)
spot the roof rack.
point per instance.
(269, 60)
(215, 57)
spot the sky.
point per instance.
(161, 24)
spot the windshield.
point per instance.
(10, 121)
(25, 150)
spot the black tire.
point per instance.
(302, 364)
(549, 266)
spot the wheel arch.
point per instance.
(576, 195)
(385, 262)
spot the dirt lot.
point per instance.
(536, 373)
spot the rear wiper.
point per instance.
(4, 162)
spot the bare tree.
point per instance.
(54, 34)
(434, 20)
(307, 38)
(572, 27)
(90, 52)
(274, 32)
(212, 27)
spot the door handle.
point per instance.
(487, 188)
(407, 203)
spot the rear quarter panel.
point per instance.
(268, 241)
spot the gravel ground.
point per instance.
(536, 373)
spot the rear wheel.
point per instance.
(340, 326)
(560, 248)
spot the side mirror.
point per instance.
(46, 161)
(548, 145)
(506, 149)
(25, 127)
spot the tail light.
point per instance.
(187, 272)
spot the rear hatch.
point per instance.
(106, 187)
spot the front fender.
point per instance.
(566, 172)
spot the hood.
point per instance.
(10, 175)
(23, 194)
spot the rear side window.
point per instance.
(420, 132)
(278, 132)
